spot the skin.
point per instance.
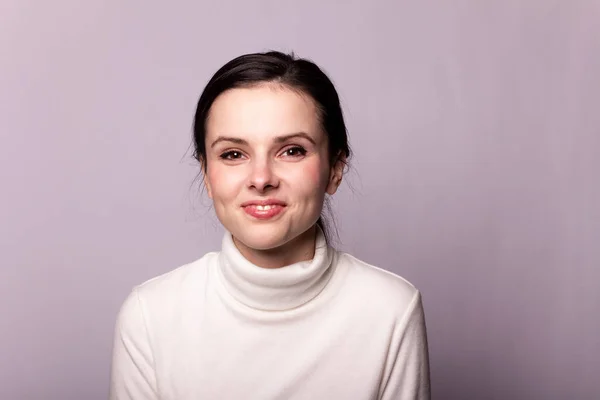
(252, 153)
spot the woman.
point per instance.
(277, 313)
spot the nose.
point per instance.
(262, 176)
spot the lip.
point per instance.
(266, 202)
(251, 208)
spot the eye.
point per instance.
(295, 151)
(231, 155)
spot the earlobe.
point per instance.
(205, 181)
(207, 186)
(334, 183)
(336, 177)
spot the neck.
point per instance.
(301, 248)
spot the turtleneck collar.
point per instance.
(276, 289)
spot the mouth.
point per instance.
(263, 209)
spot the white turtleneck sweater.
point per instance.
(330, 328)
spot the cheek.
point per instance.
(224, 182)
(311, 179)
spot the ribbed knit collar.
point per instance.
(275, 289)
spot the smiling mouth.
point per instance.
(263, 212)
(264, 208)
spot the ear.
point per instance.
(336, 173)
(208, 188)
(205, 179)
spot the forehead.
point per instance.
(261, 112)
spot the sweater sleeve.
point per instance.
(132, 371)
(407, 377)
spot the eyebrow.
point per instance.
(278, 139)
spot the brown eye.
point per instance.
(295, 151)
(231, 155)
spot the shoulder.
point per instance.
(168, 291)
(376, 289)
(178, 278)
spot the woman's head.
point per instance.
(271, 139)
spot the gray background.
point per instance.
(475, 126)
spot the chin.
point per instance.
(266, 235)
(261, 239)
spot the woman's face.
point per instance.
(267, 164)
